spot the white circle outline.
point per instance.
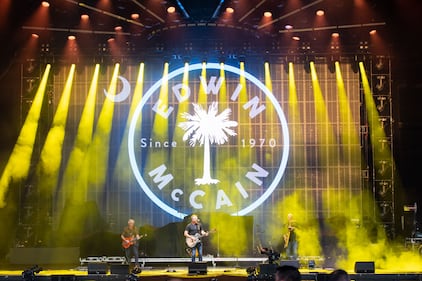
(217, 66)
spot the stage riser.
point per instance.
(44, 255)
(165, 277)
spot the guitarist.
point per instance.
(130, 238)
(290, 238)
(192, 229)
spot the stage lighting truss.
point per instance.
(383, 105)
(384, 188)
(381, 161)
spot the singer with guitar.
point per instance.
(193, 233)
(290, 238)
(130, 237)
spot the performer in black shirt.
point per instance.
(290, 238)
(193, 233)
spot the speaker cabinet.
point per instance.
(265, 269)
(197, 268)
(63, 277)
(97, 268)
(365, 267)
(294, 263)
(120, 269)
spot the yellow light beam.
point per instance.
(296, 133)
(202, 97)
(325, 133)
(160, 127)
(120, 170)
(82, 140)
(349, 133)
(268, 83)
(51, 153)
(246, 153)
(17, 167)
(271, 118)
(184, 165)
(93, 167)
(99, 149)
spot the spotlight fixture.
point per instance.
(118, 28)
(320, 13)
(71, 37)
(229, 10)
(363, 45)
(132, 277)
(110, 40)
(45, 4)
(335, 35)
(84, 17)
(251, 270)
(29, 274)
(34, 35)
(272, 255)
(171, 9)
(296, 38)
(134, 16)
(45, 48)
(288, 26)
(268, 14)
(373, 32)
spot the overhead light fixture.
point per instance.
(171, 9)
(335, 35)
(45, 4)
(71, 37)
(118, 28)
(229, 10)
(373, 32)
(34, 35)
(288, 26)
(84, 17)
(296, 38)
(268, 14)
(134, 16)
(320, 13)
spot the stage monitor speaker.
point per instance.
(265, 269)
(197, 268)
(365, 267)
(97, 268)
(65, 277)
(294, 263)
(120, 269)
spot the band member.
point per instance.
(194, 232)
(290, 238)
(130, 238)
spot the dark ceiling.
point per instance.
(196, 20)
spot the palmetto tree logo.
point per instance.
(253, 144)
(206, 128)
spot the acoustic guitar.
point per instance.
(127, 242)
(192, 242)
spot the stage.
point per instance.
(178, 269)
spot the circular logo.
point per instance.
(208, 137)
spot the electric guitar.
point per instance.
(287, 236)
(192, 242)
(127, 242)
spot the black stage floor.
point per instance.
(180, 272)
